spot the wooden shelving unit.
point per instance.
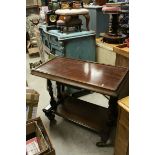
(122, 55)
(32, 6)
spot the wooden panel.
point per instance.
(121, 146)
(122, 55)
(124, 119)
(122, 132)
(124, 103)
(121, 61)
(97, 77)
(105, 56)
(121, 149)
(122, 50)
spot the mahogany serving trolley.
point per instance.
(100, 78)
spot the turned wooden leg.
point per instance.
(50, 90)
(49, 110)
(59, 92)
(110, 123)
(49, 113)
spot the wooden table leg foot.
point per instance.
(49, 114)
(103, 144)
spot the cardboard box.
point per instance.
(31, 2)
(32, 131)
(32, 99)
(36, 126)
(33, 51)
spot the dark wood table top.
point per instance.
(93, 76)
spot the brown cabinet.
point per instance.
(122, 55)
(122, 132)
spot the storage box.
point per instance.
(35, 127)
(33, 51)
(33, 131)
(32, 99)
(31, 2)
